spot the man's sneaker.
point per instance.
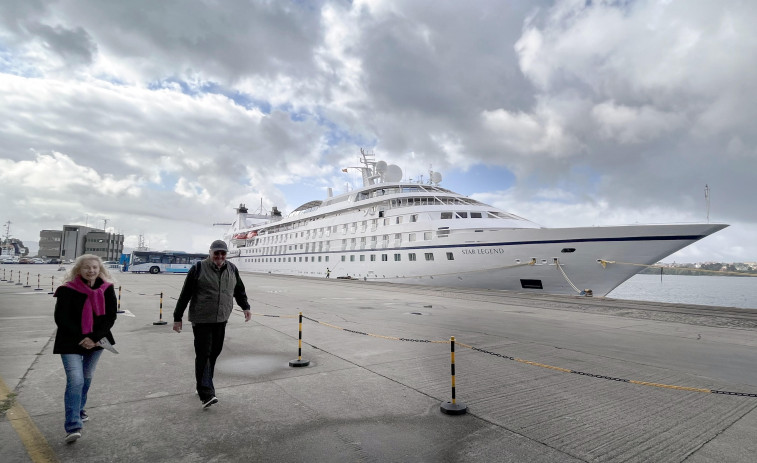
(84, 416)
(209, 402)
(72, 436)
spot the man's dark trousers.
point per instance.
(208, 346)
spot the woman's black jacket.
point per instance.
(68, 309)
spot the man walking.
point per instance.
(210, 289)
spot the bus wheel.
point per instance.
(154, 270)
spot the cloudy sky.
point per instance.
(161, 117)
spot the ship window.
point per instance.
(442, 233)
(344, 258)
(362, 258)
(397, 257)
(300, 259)
(384, 258)
(450, 256)
(289, 259)
(411, 236)
(429, 256)
(327, 258)
(427, 236)
(386, 221)
(399, 219)
(475, 215)
(568, 250)
(411, 257)
(319, 258)
(373, 257)
(446, 215)
(414, 218)
(461, 215)
(531, 284)
(352, 258)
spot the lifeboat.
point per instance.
(240, 236)
(252, 235)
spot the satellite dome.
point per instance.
(393, 173)
(381, 167)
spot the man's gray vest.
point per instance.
(214, 294)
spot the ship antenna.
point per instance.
(707, 200)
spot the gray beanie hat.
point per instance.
(219, 245)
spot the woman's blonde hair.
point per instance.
(76, 269)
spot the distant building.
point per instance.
(49, 244)
(75, 240)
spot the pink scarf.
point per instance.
(94, 305)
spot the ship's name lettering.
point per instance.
(484, 251)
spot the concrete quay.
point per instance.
(377, 378)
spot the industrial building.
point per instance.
(75, 240)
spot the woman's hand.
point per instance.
(87, 343)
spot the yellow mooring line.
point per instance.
(36, 445)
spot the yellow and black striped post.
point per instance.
(453, 408)
(119, 301)
(11, 278)
(299, 362)
(38, 288)
(27, 285)
(4, 279)
(160, 320)
(52, 285)
(19, 282)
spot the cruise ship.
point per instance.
(420, 233)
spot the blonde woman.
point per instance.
(85, 311)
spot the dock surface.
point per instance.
(545, 378)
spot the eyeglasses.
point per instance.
(219, 253)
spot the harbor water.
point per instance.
(703, 290)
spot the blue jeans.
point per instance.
(79, 370)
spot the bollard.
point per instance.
(161, 321)
(18, 283)
(38, 288)
(299, 362)
(27, 285)
(4, 279)
(119, 302)
(52, 285)
(453, 408)
(11, 278)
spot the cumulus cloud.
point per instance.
(594, 111)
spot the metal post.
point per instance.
(161, 321)
(38, 288)
(299, 362)
(4, 279)
(453, 408)
(11, 278)
(52, 285)
(27, 285)
(119, 301)
(18, 283)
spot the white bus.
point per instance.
(162, 261)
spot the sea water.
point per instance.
(704, 290)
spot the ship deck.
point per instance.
(545, 378)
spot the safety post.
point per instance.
(27, 285)
(161, 321)
(299, 362)
(119, 301)
(52, 285)
(4, 279)
(38, 288)
(453, 408)
(11, 278)
(19, 283)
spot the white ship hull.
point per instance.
(421, 234)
